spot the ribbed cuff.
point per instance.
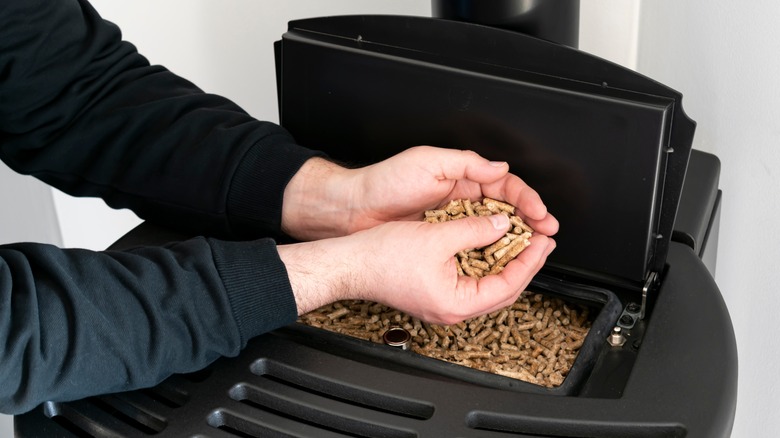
(257, 190)
(257, 285)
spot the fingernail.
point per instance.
(500, 221)
(551, 245)
(497, 163)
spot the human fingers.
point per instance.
(471, 232)
(426, 288)
(548, 225)
(495, 292)
(520, 271)
(528, 203)
(515, 191)
(452, 164)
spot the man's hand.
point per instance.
(410, 266)
(375, 246)
(326, 200)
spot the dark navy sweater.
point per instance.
(81, 110)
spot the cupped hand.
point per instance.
(425, 177)
(410, 266)
(326, 200)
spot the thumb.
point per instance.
(473, 232)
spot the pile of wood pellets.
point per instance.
(535, 340)
(478, 262)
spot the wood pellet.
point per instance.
(535, 340)
(478, 262)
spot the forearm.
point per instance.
(83, 111)
(77, 323)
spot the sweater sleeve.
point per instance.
(83, 111)
(77, 323)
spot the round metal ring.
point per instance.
(398, 337)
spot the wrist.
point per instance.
(316, 199)
(322, 272)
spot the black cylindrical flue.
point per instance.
(552, 20)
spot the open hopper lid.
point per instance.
(606, 147)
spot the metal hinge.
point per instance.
(651, 279)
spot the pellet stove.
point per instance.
(610, 153)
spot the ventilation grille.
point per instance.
(139, 413)
(283, 399)
(265, 398)
(563, 428)
(294, 391)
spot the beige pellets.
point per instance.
(535, 340)
(478, 262)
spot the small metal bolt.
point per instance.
(626, 320)
(616, 339)
(633, 307)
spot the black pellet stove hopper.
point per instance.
(610, 153)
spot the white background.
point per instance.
(721, 55)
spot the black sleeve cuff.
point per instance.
(257, 286)
(254, 204)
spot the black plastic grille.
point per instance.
(282, 394)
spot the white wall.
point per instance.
(26, 210)
(609, 29)
(723, 56)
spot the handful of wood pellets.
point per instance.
(478, 262)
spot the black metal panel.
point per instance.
(598, 155)
(698, 217)
(683, 384)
